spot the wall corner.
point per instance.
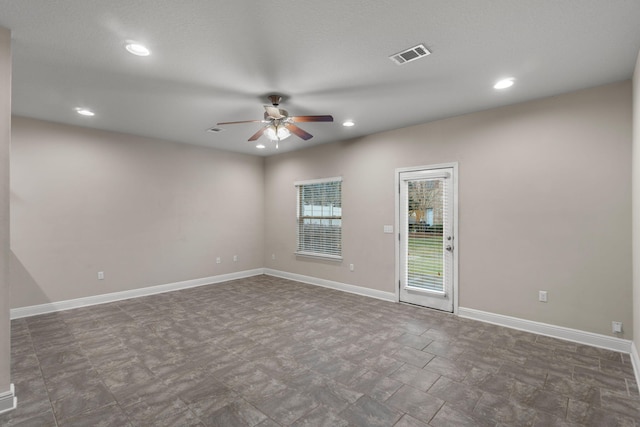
(7, 398)
(635, 216)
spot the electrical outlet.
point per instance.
(235, 258)
(542, 296)
(218, 260)
(351, 267)
(100, 275)
(273, 256)
(616, 327)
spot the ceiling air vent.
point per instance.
(410, 54)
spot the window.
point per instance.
(320, 218)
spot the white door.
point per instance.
(427, 237)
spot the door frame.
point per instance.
(456, 229)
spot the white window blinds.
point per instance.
(320, 218)
(427, 232)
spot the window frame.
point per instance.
(299, 218)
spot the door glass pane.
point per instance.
(425, 234)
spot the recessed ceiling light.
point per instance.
(348, 123)
(137, 49)
(85, 112)
(504, 83)
(260, 146)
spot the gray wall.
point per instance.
(636, 206)
(5, 142)
(144, 211)
(544, 204)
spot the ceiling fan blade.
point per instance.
(273, 112)
(241, 121)
(326, 118)
(257, 134)
(301, 133)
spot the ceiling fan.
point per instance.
(279, 124)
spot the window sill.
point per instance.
(319, 256)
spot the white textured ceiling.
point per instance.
(216, 61)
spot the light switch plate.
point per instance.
(542, 296)
(616, 327)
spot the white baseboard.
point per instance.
(560, 332)
(34, 310)
(353, 289)
(8, 400)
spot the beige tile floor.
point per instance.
(266, 352)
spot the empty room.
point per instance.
(297, 213)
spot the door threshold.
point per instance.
(425, 307)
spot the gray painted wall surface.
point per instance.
(145, 212)
(636, 206)
(544, 204)
(5, 143)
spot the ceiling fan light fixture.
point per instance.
(504, 83)
(348, 123)
(278, 125)
(277, 133)
(260, 146)
(137, 49)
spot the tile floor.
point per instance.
(269, 352)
